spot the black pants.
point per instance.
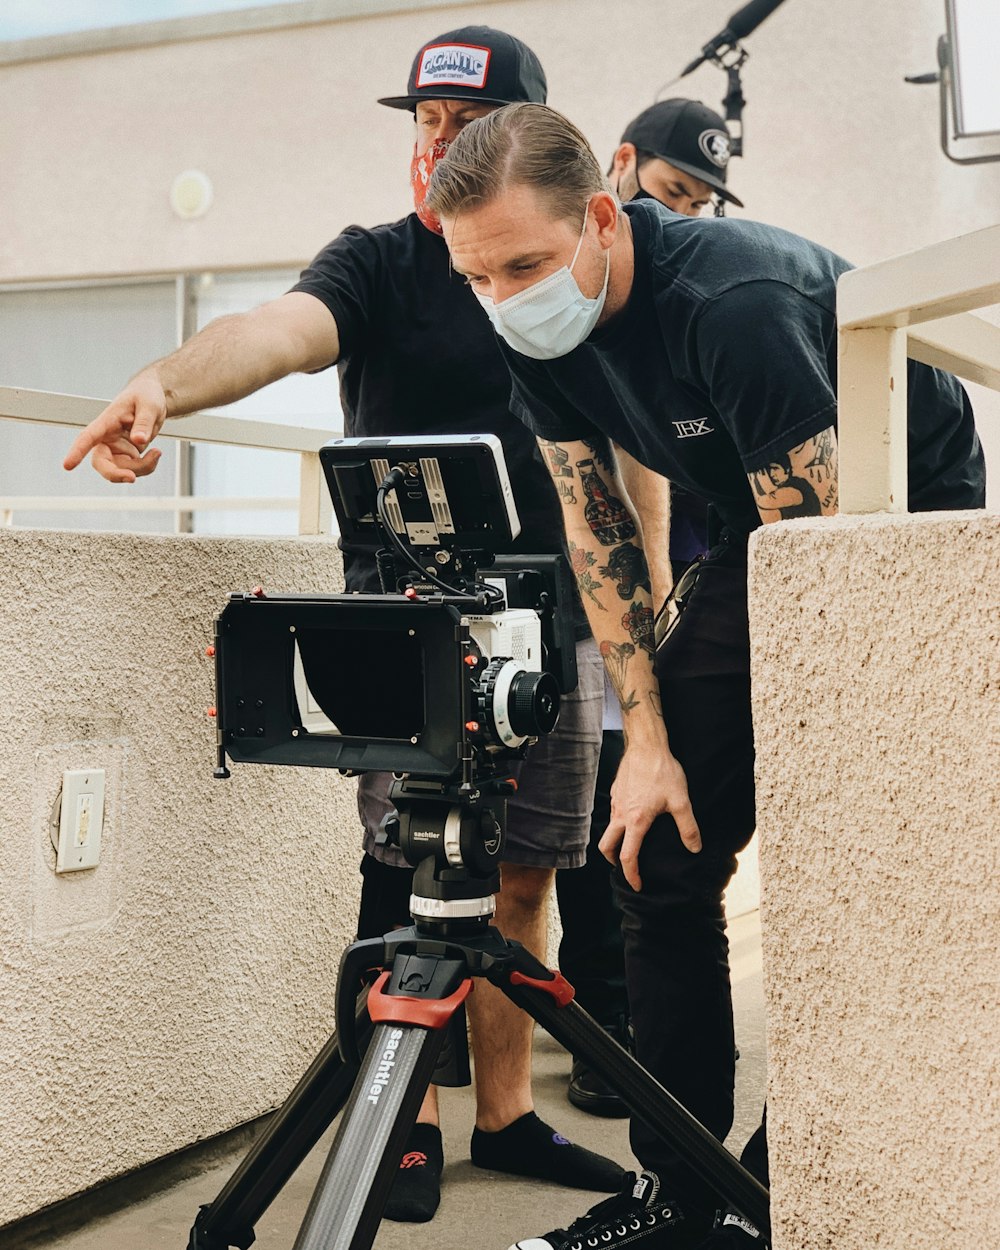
(676, 948)
(591, 954)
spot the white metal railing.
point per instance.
(915, 305)
(48, 408)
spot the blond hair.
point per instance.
(519, 145)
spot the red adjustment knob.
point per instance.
(471, 661)
(410, 593)
(258, 592)
(210, 651)
(472, 726)
(211, 711)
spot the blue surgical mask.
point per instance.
(551, 317)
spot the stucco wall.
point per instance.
(183, 985)
(876, 673)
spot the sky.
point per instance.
(26, 19)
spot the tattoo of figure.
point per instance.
(566, 492)
(558, 458)
(606, 515)
(627, 567)
(638, 620)
(616, 657)
(783, 493)
(582, 561)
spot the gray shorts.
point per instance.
(548, 819)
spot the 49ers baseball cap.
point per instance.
(473, 63)
(690, 136)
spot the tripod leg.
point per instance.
(292, 1132)
(347, 1205)
(548, 1000)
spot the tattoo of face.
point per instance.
(627, 567)
(558, 458)
(616, 657)
(582, 561)
(782, 493)
(638, 620)
(607, 516)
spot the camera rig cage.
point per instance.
(437, 679)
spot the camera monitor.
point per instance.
(456, 493)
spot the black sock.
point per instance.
(529, 1147)
(416, 1189)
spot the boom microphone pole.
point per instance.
(742, 23)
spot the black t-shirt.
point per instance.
(725, 356)
(418, 356)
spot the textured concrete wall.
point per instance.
(876, 671)
(183, 985)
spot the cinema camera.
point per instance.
(444, 679)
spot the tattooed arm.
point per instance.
(801, 483)
(650, 496)
(606, 551)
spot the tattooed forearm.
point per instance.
(614, 582)
(802, 482)
(582, 561)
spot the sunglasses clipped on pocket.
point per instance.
(665, 621)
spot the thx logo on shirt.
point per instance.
(691, 429)
(458, 64)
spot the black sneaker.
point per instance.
(637, 1217)
(733, 1232)
(588, 1092)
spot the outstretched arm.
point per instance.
(605, 549)
(231, 358)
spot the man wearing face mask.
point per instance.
(707, 351)
(415, 356)
(676, 151)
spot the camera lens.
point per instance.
(533, 704)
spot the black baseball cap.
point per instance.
(473, 63)
(690, 136)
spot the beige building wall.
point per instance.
(284, 123)
(183, 985)
(875, 679)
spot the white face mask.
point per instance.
(551, 317)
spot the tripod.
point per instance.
(411, 1029)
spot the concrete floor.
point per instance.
(155, 1210)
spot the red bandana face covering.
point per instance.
(421, 168)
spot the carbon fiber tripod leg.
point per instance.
(302, 1120)
(347, 1205)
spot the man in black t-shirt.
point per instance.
(416, 357)
(706, 351)
(677, 152)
